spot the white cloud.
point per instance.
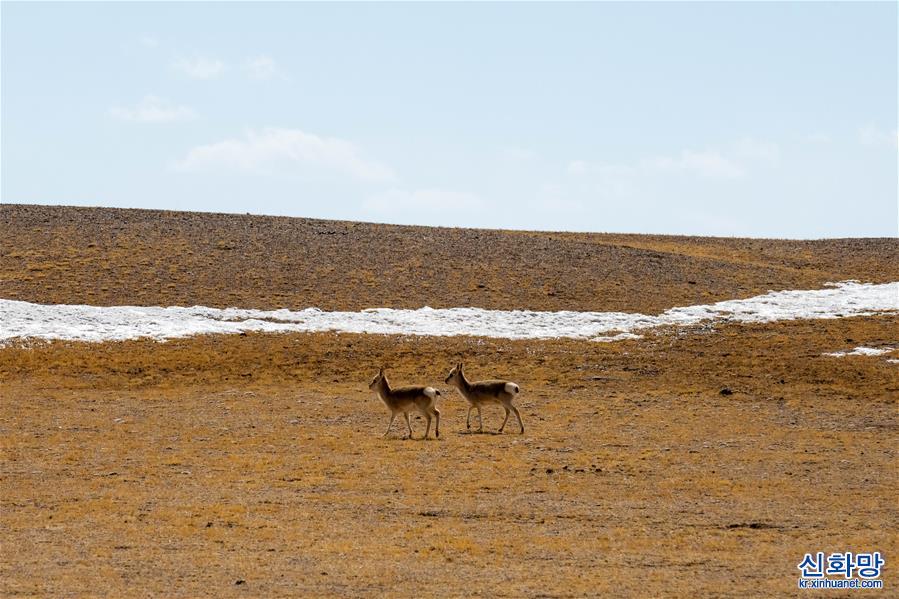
(577, 167)
(651, 177)
(200, 67)
(732, 163)
(703, 164)
(153, 109)
(516, 154)
(262, 67)
(754, 149)
(707, 164)
(286, 150)
(870, 135)
(400, 201)
(618, 180)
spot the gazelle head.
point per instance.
(375, 382)
(455, 375)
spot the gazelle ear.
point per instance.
(381, 371)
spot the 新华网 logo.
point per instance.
(841, 571)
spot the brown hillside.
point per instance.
(105, 256)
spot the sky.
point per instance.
(731, 119)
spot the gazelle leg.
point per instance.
(409, 426)
(468, 419)
(506, 419)
(480, 420)
(437, 423)
(428, 429)
(389, 424)
(517, 415)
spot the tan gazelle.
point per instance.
(403, 400)
(484, 392)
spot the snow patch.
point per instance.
(862, 351)
(24, 320)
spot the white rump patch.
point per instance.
(431, 392)
(511, 388)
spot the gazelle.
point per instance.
(484, 392)
(406, 399)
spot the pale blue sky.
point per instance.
(757, 119)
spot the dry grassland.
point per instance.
(254, 465)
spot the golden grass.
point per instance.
(254, 465)
(163, 468)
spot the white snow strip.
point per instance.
(862, 351)
(23, 320)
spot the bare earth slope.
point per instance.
(694, 462)
(145, 257)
